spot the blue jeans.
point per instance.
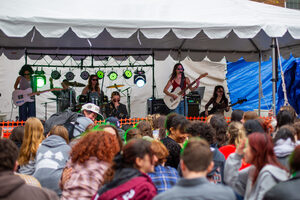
(27, 110)
(180, 108)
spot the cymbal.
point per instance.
(115, 86)
(76, 84)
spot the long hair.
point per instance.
(26, 68)
(61, 131)
(262, 150)
(33, 136)
(173, 75)
(236, 132)
(215, 95)
(90, 86)
(99, 144)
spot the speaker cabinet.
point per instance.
(157, 106)
(193, 110)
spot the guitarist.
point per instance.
(219, 102)
(178, 79)
(23, 82)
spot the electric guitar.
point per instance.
(214, 110)
(22, 96)
(173, 103)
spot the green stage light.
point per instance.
(112, 76)
(39, 79)
(100, 74)
(127, 74)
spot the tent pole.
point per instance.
(153, 78)
(274, 75)
(259, 85)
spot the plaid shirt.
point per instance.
(164, 177)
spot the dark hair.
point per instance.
(173, 75)
(250, 115)
(176, 121)
(284, 117)
(26, 68)
(252, 126)
(296, 125)
(262, 149)
(294, 160)
(159, 123)
(220, 125)
(90, 83)
(8, 155)
(237, 115)
(203, 130)
(17, 135)
(284, 133)
(215, 94)
(135, 148)
(132, 133)
(145, 128)
(115, 93)
(291, 110)
(196, 155)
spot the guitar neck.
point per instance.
(189, 85)
(40, 92)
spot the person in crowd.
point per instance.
(116, 123)
(163, 177)
(112, 129)
(235, 133)
(284, 117)
(175, 125)
(250, 115)
(33, 137)
(23, 82)
(89, 160)
(66, 98)
(114, 108)
(237, 116)
(52, 157)
(220, 125)
(127, 178)
(12, 186)
(265, 172)
(179, 80)
(291, 110)
(252, 126)
(296, 126)
(284, 144)
(219, 102)
(92, 90)
(17, 135)
(196, 162)
(206, 131)
(132, 133)
(145, 128)
(159, 130)
(91, 111)
(288, 190)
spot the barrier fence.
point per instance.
(8, 126)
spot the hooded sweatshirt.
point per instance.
(51, 159)
(283, 148)
(13, 187)
(241, 181)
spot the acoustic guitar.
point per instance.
(22, 96)
(173, 103)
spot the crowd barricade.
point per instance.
(8, 126)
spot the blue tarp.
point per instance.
(242, 80)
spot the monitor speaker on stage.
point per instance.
(157, 106)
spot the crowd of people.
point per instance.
(162, 157)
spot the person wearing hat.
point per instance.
(63, 96)
(90, 111)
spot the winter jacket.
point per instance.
(28, 169)
(51, 158)
(283, 148)
(13, 187)
(128, 183)
(287, 190)
(241, 181)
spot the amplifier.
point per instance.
(157, 106)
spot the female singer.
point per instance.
(92, 90)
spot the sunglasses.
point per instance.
(116, 100)
(26, 74)
(94, 79)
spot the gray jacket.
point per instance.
(197, 188)
(51, 159)
(241, 181)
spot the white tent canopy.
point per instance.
(215, 28)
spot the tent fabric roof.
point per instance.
(215, 28)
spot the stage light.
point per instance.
(139, 78)
(112, 76)
(100, 74)
(127, 74)
(85, 75)
(69, 76)
(39, 79)
(55, 75)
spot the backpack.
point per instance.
(66, 118)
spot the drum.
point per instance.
(95, 100)
(82, 99)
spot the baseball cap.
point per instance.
(91, 107)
